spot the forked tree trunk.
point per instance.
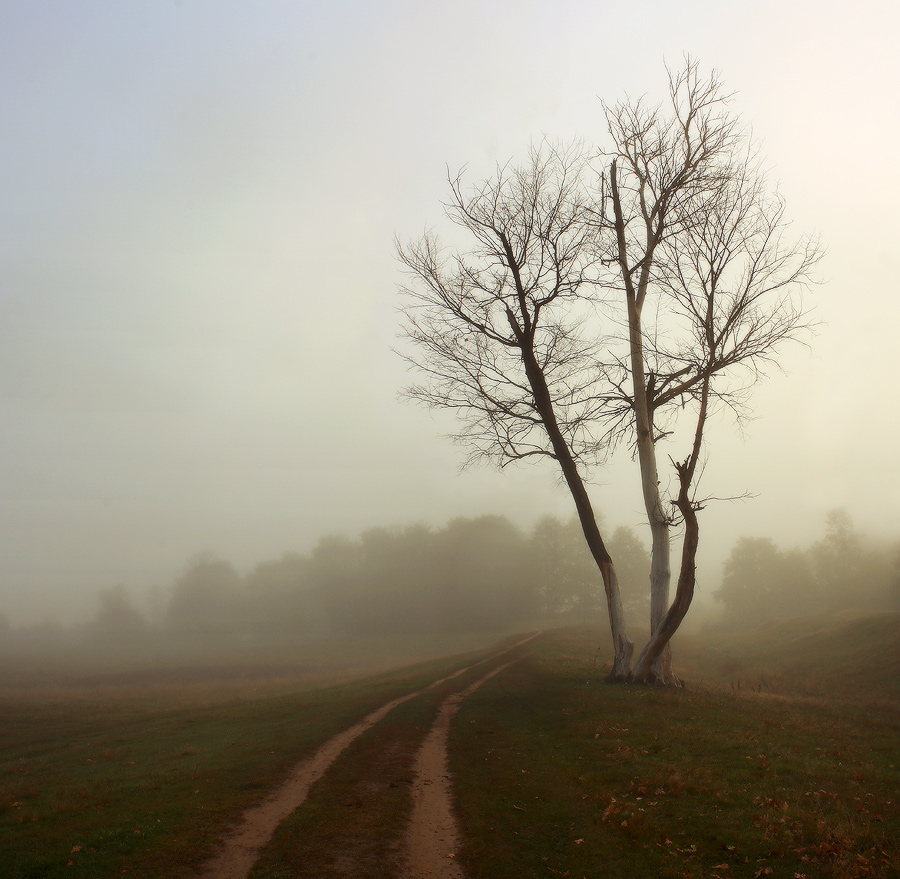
(660, 573)
(644, 669)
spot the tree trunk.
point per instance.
(623, 646)
(660, 573)
(644, 671)
(660, 578)
(645, 668)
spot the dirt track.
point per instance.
(432, 836)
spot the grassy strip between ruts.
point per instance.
(557, 775)
(352, 825)
(106, 785)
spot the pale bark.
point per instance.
(672, 165)
(660, 573)
(645, 668)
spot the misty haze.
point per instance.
(449, 441)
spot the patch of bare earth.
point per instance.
(433, 837)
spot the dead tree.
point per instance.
(498, 331)
(696, 231)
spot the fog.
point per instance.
(198, 288)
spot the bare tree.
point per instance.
(686, 221)
(498, 331)
(696, 231)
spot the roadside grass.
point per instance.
(780, 758)
(134, 781)
(353, 823)
(843, 655)
(215, 664)
(556, 775)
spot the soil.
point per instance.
(432, 837)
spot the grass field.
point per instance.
(557, 776)
(779, 759)
(123, 778)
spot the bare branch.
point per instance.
(500, 332)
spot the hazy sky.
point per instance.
(198, 283)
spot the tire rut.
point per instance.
(241, 850)
(433, 836)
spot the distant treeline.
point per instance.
(762, 581)
(478, 574)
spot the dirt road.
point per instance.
(432, 837)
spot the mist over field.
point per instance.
(424, 590)
(198, 301)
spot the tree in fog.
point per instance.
(502, 331)
(484, 572)
(840, 571)
(471, 575)
(334, 574)
(207, 598)
(282, 599)
(837, 561)
(569, 582)
(117, 617)
(696, 232)
(497, 330)
(633, 566)
(761, 581)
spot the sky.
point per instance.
(198, 280)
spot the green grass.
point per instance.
(840, 656)
(781, 755)
(97, 783)
(558, 775)
(353, 824)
